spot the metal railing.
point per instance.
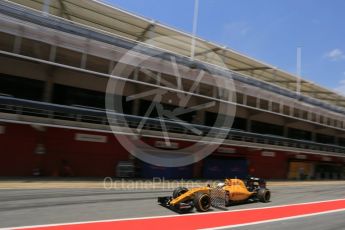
(77, 113)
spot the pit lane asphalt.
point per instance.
(23, 207)
(331, 221)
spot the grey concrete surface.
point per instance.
(48, 206)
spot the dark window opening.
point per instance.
(325, 139)
(275, 107)
(299, 134)
(72, 96)
(68, 95)
(20, 87)
(144, 106)
(296, 112)
(286, 110)
(251, 101)
(239, 98)
(35, 49)
(6, 42)
(304, 114)
(322, 120)
(341, 141)
(264, 104)
(240, 123)
(313, 117)
(68, 57)
(97, 64)
(211, 119)
(266, 128)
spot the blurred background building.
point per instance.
(57, 56)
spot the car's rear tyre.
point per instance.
(202, 202)
(264, 195)
(179, 191)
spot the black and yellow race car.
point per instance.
(232, 191)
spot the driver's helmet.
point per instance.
(220, 185)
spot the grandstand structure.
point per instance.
(58, 56)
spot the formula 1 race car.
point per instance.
(232, 191)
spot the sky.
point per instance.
(267, 30)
